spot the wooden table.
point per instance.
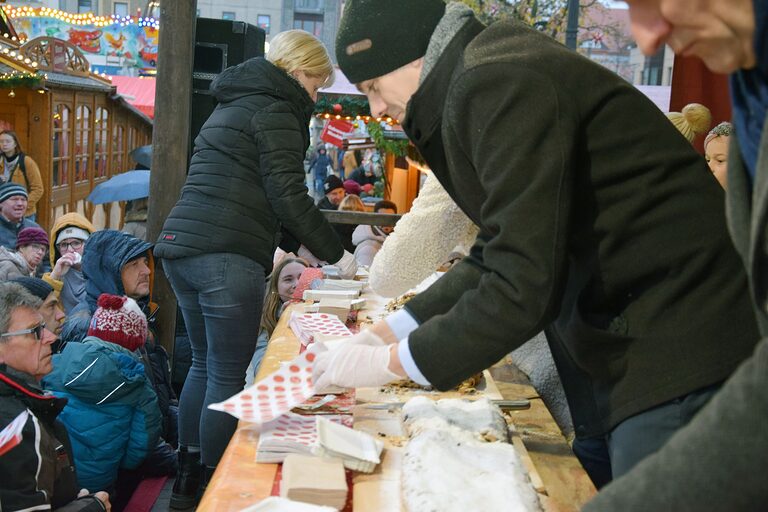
(240, 482)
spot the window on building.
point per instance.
(62, 5)
(84, 6)
(309, 5)
(228, 15)
(312, 23)
(262, 20)
(120, 8)
(198, 12)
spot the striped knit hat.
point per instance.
(10, 189)
(119, 320)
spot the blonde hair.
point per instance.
(273, 302)
(297, 50)
(694, 120)
(352, 203)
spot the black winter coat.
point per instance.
(246, 178)
(38, 474)
(598, 221)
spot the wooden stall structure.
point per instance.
(71, 122)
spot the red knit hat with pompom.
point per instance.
(119, 320)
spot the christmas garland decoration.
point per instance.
(345, 106)
(20, 79)
(397, 147)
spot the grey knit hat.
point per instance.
(376, 37)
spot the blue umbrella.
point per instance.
(123, 187)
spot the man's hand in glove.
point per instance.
(347, 265)
(363, 361)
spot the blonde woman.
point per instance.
(244, 196)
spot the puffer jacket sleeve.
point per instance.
(422, 240)
(280, 141)
(146, 423)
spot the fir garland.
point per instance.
(350, 106)
(17, 79)
(396, 147)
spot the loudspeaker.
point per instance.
(219, 44)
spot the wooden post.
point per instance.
(170, 139)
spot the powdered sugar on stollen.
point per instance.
(277, 393)
(312, 327)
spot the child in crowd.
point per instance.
(369, 239)
(112, 414)
(716, 151)
(280, 288)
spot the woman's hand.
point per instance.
(63, 265)
(103, 497)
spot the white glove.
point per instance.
(363, 361)
(347, 265)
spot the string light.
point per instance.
(79, 19)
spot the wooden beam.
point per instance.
(170, 139)
(370, 219)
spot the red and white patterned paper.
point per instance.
(311, 327)
(291, 433)
(277, 393)
(10, 436)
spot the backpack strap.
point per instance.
(23, 166)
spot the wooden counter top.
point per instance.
(240, 482)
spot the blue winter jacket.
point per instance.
(111, 415)
(105, 253)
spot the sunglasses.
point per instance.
(36, 330)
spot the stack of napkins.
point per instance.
(290, 433)
(312, 327)
(357, 450)
(330, 294)
(316, 480)
(337, 284)
(333, 271)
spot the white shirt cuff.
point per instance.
(402, 323)
(409, 365)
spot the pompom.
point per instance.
(108, 301)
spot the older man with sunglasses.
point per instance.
(38, 473)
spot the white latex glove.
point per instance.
(363, 361)
(347, 265)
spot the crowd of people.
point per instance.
(604, 231)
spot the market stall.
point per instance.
(550, 466)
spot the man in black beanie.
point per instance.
(598, 223)
(50, 309)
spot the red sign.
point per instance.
(335, 130)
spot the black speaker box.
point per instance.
(219, 44)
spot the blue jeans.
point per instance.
(638, 436)
(220, 297)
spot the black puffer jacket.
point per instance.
(38, 473)
(246, 179)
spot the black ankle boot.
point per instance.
(187, 485)
(206, 473)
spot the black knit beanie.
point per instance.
(376, 37)
(35, 286)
